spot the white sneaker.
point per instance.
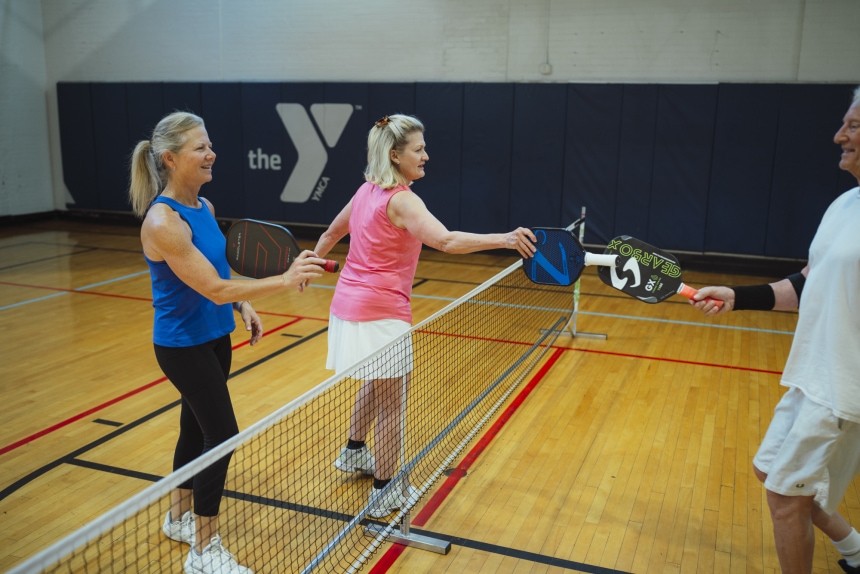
(355, 460)
(383, 503)
(213, 560)
(180, 530)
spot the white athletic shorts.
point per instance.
(352, 341)
(809, 451)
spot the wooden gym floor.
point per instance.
(627, 454)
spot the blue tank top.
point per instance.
(184, 317)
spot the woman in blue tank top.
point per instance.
(192, 294)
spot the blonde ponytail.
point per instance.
(148, 172)
(145, 181)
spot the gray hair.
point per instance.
(148, 172)
(391, 132)
(856, 96)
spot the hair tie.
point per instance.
(382, 123)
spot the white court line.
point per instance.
(84, 288)
(627, 317)
(437, 298)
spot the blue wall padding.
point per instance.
(346, 161)
(440, 109)
(805, 172)
(681, 170)
(218, 105)
(486, 164)
(537, 166)
(722, 168)
(635, 162)
(262, 187)
(77, 141)
(145, 101)
(112, 150)
(591, 159)
(747, 122)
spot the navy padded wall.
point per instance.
(264, 138)
(110, 126)
(306, 94)
(182, 97)
(591, 157)
(730, 168)
(145, 109)
(487, 149)
(219, 107)
(77, 142)
(348, 158)
(682, 166)
(744, 148)
(804, 178)
(537, 167)
(635, 161)
(387, 99)
(440, 109)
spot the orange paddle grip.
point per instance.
(689, 293)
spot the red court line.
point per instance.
(62, 290)
(102, 294)
(115, 400)
(681, 361)
(394, 552)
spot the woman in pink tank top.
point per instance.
(387, 224)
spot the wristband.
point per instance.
(754, 297)
(797, 281)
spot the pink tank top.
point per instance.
(376, 281)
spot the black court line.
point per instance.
(323, 513)
(23, 243)
(455, 261)
(71, 245)
(48, 258)
(25, 480)
(109, 423)
(73, 459)
(102, 248)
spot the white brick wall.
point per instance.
(25, 176)
(399, 40)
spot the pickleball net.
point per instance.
(286, 508)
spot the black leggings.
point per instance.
(200, 374)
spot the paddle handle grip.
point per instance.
(331, 265)
(689, 293)
(605, 260)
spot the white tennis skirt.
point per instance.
(351, 341)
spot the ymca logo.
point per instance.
(306, 178)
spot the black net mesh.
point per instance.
(286, 508)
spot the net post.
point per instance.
(403, 536)
(571, 324)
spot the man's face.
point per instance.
(848, 137)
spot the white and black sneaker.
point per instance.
(355, 460)
(181, 530)
(213, 560)
(383, 502)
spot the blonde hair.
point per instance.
(148, 172)
(391, 132)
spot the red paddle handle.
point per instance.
(689, 293)
(331, 266)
